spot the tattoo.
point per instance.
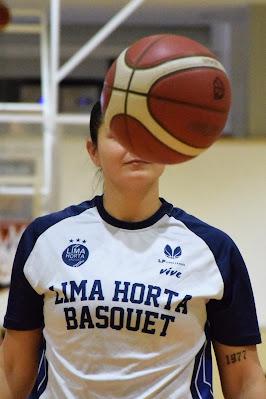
(235, 357)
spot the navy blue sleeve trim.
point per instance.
(233, 319)
(24, 309)
(25, 305)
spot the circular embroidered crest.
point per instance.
(75, 255)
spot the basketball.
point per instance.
(166, 98)
(4, 16)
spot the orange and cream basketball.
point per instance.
(166, 98)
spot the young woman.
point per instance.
(128, 292)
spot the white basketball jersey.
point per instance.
(128, 310)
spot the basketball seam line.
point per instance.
(134, 68)
(173, 59)
(167, 100)
(141, 55)
(171, 149)
(162, 124)
(168, 132)
(190, 69)
(132, 74)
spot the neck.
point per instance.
(132, 205)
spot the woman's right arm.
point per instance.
(19, 356)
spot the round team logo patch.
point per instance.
(75, 255)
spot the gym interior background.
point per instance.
(226, 185)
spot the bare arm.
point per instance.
(19, 363)
(240, 372)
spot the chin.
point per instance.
(139, 180)
(141, 175)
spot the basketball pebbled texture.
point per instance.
(167, 98)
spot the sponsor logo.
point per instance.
(76, 253)
(171, 256)
(171, 272)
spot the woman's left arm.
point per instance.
(240, 371)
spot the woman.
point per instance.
(128, 292)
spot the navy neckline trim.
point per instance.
(164, 209)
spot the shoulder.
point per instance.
(213, 236)
(221, 245)
(226, 253)
(41, 224)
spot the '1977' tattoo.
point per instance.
(235, 357)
